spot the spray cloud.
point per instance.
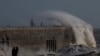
(82, 30)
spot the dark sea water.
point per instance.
(78, 50)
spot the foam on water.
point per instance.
(75, 50)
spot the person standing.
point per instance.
(15, 51)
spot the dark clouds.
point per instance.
(19, 12)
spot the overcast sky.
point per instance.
(19, 12)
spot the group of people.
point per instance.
(15, 51)
(6, 41)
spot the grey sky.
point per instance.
(19, 12)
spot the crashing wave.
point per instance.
(82, 30)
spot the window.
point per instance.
(51, 45)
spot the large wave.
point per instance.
(82, 30)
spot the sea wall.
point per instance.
(34, 37)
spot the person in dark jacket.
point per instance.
(15, 51)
